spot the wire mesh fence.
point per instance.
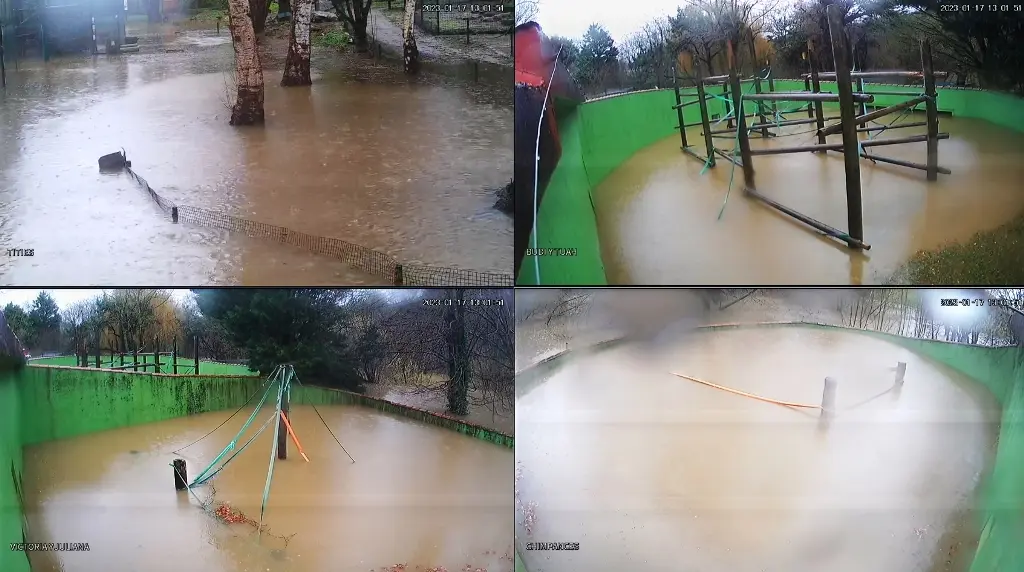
(375, 262)
(461, 17)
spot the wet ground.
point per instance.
(658, 216)
(638, 465)
(367, 155)
(417, 495)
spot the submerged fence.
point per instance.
(368, 260)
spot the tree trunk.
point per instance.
(296, 65)
(284, 9)
(248, 107)
(458, 355)
(411, 54)
(356, 15)
(258, 10)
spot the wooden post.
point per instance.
(399, 275)
(931, 110)
(282, 430)
(771, 88)
(679, 106)
(99, 351)
(819, 113)
(180, 475)
(828, 398)
(741, 122)
(760, 108)
(174, 355)
(135, 359)
(901, 372)
(196, 352)
(156, 355)
(862, 108)
(725, 92)
(851, 149)
(704, 120)
(807, 87)
(122, 358)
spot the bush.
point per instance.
(331, 39)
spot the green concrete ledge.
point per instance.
(1001, 372)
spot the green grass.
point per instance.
(210, 15)
(994, 258)
(184, 365)
(331, 39)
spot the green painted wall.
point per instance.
(600, 134)
(41, 403)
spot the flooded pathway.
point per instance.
(658, 216)
(404, 166)
(417, 494)
(640, 466)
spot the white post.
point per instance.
(828, 398)
(901, 370)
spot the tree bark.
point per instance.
(410, 53)
(296, 65)
(248, 107)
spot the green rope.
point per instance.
(273, 450)
(238, 452)
(234, 441)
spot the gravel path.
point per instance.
(386, 28)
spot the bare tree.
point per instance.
(526, 10)
(410, 53)
(248, 106)
(296, 65)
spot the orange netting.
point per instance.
(233, 516)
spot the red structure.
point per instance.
(536, 64)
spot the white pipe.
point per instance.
(536, 165)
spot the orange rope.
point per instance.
(294, 438)
(745, 394)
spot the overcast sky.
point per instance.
(571, 18)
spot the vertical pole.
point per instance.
(725, 93)
(704, 121)
(931, 110)
(135, 359)
(399, 275)
(679, 103)
(771, 89)
(819, 112)
(807, 87)
(828, 398)
(901, 372)
(122, 358)
(99, 351)
(179, 474)
(862, 108)
(741, 122)
(282, 430)
(174, 355)
(3, 66)
(760, 107)
(195, 352)
(156, 355)
(467, 31)
(851, 144)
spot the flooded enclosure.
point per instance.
(404, 166)
(647, 469)
(416, 495)
(662, 221)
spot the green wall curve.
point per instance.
(42, 403)
(1001, 372)
(599, 135)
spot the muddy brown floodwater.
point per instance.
(416, 495)
(658, 216)
(366, 155)
(646, 470)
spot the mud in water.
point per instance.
(367, 155)
(646, 469)
(416, 495)
(658, 217)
